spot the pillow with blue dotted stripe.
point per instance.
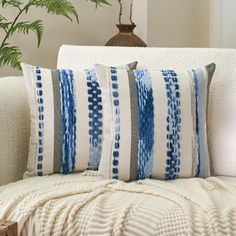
(155, 123)
(66, 111)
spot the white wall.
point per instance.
(178, 23)
(163, 23)
(140, 17)
(223, 24)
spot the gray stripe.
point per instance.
(57, 121)
(132, 66)
(201, 123)
(210, 70)
(193, 112)
(134, 126)
(203, 88)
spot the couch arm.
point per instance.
(14, 129)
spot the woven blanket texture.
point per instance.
(83, 204)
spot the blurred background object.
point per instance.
(126, 36)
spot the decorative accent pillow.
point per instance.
(66, 120)
(154, 123)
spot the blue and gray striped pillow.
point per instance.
(155, 123)
(66, 120)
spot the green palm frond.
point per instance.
(26, 27)
(10, 55)
(12, 3)
(56, 7)
(99, 2)
(4, 23)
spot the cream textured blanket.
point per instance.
(79, 204)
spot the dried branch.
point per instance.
(121, 11)
(131, 13)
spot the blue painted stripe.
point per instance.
(196, 94)
(145, 122)
(95, 120)
(173, 124)
(68, 121)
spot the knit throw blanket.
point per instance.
(82, 204)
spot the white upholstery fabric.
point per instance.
(222, 107)
(14, 129)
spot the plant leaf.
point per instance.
(26, 27)
(100, 2)
(56, 7)
(10, 55)
(4, 24)
(12, 3)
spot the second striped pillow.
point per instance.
(155, 123)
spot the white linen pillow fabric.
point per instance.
(66, 120)
(155, 123)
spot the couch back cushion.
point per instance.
(222, 101)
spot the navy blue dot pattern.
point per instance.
(116, 103)
(173, 124)
(40, 109)
(95, 120)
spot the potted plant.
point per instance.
(11, 54)
(126, 36)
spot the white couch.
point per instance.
(83, 204)
(14, 112)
